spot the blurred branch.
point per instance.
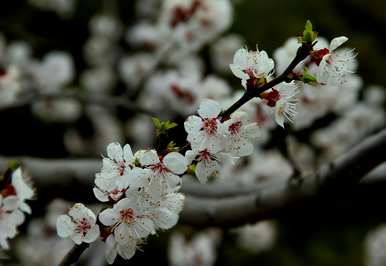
(74, 254)
(266, 203)
(86, 98)
(238, 205)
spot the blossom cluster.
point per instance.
(214, 141)
(142, 190)
(14, 193)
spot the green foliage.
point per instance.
(308, 77)
(162, 127)
(309, 35)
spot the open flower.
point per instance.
(128, 218)
(240, 134)
(125, 250)
(10, 218)
(22, 189)
(119, 161)
(208, 163)
(113, 189)
(165, 171)
(163, 208)
(206, 130)
(80, 225)
(251, 66)
(334, 64)
(283, 98)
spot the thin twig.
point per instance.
(74, 254)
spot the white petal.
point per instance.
(111, 249)
(109, 217)
(173, 202)
(114, 151)
(77, 238)
(205, 170)
(128, 154)
(100, 195)
(141, 228)
(148, 158)
(127, 250)
(193, 124)
(64, 226)
(336, 42)
(190, 156)
(241, 57)
(25, 207)
(122, 233)
(175, 162)
(22, 189)
(165, 219)
(173, 181)
(209, 109)
(238, 72)
(92, 234)
(10, 203)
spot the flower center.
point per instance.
(210, 126)
(317, 56)
(183, 95)
(206, 156)
(116, 194)
(83, 226)
(271, 97)
(121, 168)
(8, 191)
(127, 215)
(183, 14)
(234, 128)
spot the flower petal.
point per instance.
(92, 234)
(114, 151)
(64, 226)
(148, 158)
(209, 109)
(175, 162)
(336, 42)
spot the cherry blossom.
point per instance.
(164, 170)
(22, 189)
(240, 134)
(163, 208)
(80, 225)
(125, 250)
(206, 130)
(283, 98)
(119, 161)
(252, 67)
(334, 64)
(128, 218)
(10, 218)
(208, 163)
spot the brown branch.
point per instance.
(74, 254)
(82, 97)
(252, 92)
(267, 202)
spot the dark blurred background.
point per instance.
(318, 233)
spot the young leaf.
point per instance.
(162, 127)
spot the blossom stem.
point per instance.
(252, 92)
(74, 254)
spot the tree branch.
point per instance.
(86, 98)
(252, 92)
(267, 202)
(74, 254)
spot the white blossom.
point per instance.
(240, 134)
(128, 218)
(336, 64)
(251, 66)
(206, 130)
(80, 225)
(165, 170)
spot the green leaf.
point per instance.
(309, 35)
(172, 147)
(308, 77)
(162, 127)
